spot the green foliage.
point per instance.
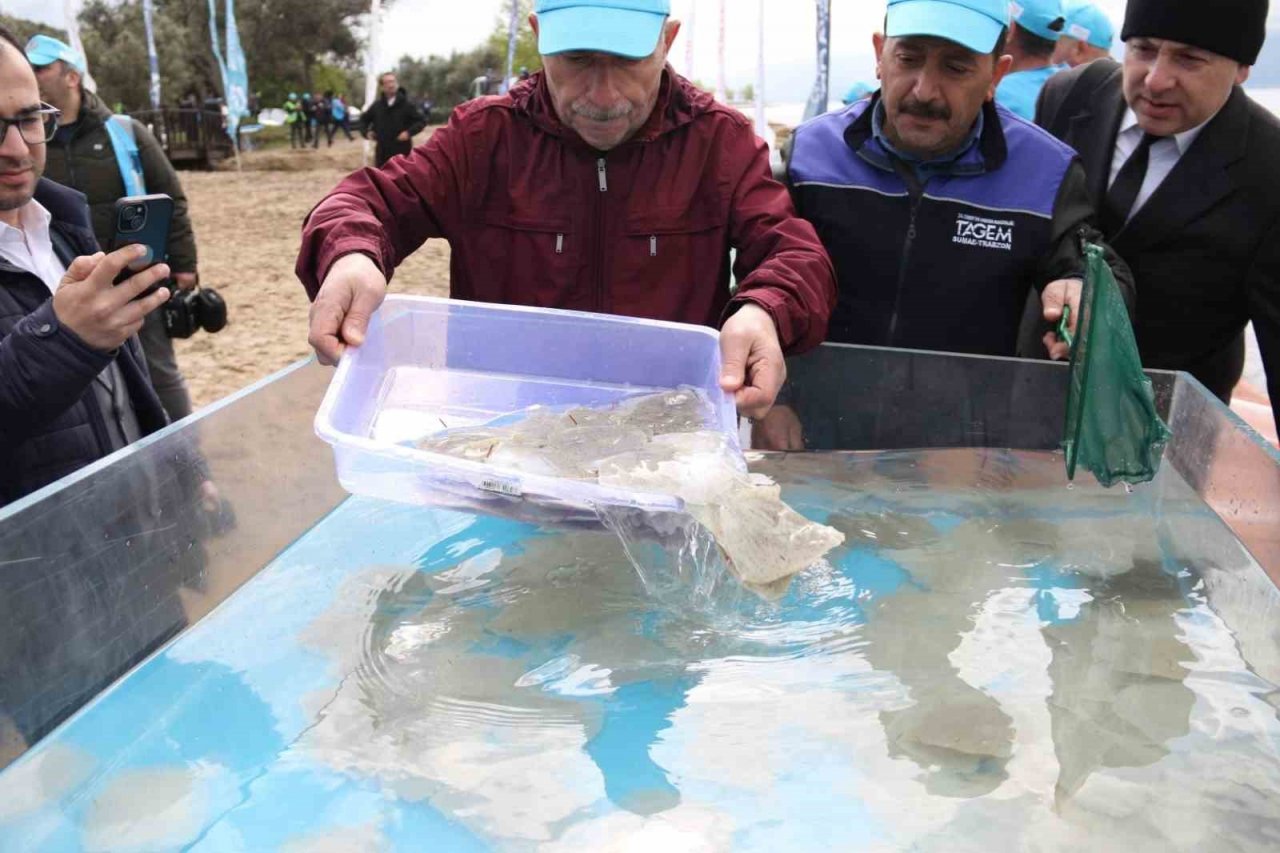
(447, 82)
(326, 78)
(527, 55)
(24, 29)
(289, 45)
(115, 44)
(748, 93)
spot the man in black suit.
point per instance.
(1185, 171)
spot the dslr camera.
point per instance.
(189, 311)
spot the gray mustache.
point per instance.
(597, 114)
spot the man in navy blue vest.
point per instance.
(941, 211)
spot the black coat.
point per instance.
(1205, 250)
(388, 121)
(50, 421)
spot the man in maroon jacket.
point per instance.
(605, 183)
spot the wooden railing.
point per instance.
(190, 137)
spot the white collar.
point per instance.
(33, 221)
(1182, 140)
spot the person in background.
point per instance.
(1087, 35)
(324, 119)
(942, 211)
(307, 108)
(605, 182)
(392, 121)
(1182, 167)
(857, 92)
(294, 118)
(338, 114)
(1033, 37)
(82, 156)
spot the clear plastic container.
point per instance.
(434, 364)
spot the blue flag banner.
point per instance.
(236, 76)
(213, 35)
(817, 104)
(152, 59)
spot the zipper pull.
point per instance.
(653, 245)
(600, 173)
(559, 244)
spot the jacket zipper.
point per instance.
(902, 267)
(602, 177)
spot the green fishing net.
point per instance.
(1112, 429)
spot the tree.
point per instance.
(448, 81)
(527, 55)
(23, 29)
(286, 44)
(115, 44)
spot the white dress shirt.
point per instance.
(1165, 154)
(30, 248)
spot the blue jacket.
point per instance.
(945, 263)
(50, 420)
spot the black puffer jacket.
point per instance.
(87, 162)
(51, 423)
(388, 121)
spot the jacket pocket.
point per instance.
(526, 260)
(672, 265)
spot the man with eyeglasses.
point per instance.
(73, 382)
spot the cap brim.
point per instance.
(623, 32)
(940, 19)
(39, 58)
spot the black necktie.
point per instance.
(1128, 183)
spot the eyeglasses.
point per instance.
(36, 127)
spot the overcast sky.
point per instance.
(424, 27)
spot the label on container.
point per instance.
(510, 488)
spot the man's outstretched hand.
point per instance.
(753, 367)
(351, 292)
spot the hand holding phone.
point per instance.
(143, 220)
(101, 314)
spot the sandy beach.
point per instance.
(247, 226)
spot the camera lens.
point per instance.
(133, 217)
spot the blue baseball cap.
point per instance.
(975, 24)
(627, 28)
(1043, 18)
(1087, 23)
(46, 50)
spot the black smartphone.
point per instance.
(143, 219)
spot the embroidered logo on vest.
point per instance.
(983, 233)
